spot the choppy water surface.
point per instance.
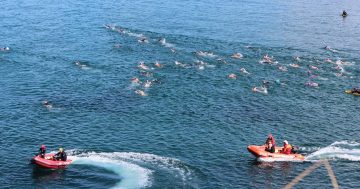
(191, 127)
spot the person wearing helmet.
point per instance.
(42, 151)
(287, 149)
(270, 144)
(61, 155)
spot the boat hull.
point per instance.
(259, 152)
(49, 163)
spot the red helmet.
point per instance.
(43, 146)
(270, 136)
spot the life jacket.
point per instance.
(287, 149)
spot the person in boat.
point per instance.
(270, 144)
(42, 151)
(61, 155)
(344, 13)
(287, 149)
(355, 90)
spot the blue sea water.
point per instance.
(192, 128)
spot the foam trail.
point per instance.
(173, 165)
(130, 175)
(342, 150)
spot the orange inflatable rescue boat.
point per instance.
(259, 152)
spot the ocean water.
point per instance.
(193, 125)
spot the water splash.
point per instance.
(343, 150)
(134, 169)
(130, 175)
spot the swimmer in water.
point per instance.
(5, 49)
(313, 67)
(294, 65)
(78, 63)
(146, 74)
(339, 62)
(222, 60)
(232, 76)
(267, 59)
(135, 80)
(147, 84)
(143, 40)
(203, 53)
(173, 50)
(328, 60)
(344, 14)
(180, 64)
(237, 56)
(311, 84)
(47, 104)
(330, 49)
(157, 64)
(261, 89)
(140, 92)
(243, 70)
(283, 68)
(296, 58)
(162, 41)
(143, 66)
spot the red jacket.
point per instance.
(287, 149)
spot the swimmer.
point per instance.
(339, 74)
(157, 64)
(311, 84)
(222, 60)
(243, 70)
(143, 66)
(121, 31)
(108, 26)
(344, 14)
(135, 80)
(313, 67)
(277, 81)
(267, 59)
(173, 50)
(140, 92)
(328, 60)
(338, 67)
(162, 41)
(262, 90)
(203, 53)
(296, 58)
(294, 65)
(237, 56)
(283, 68)
(330, 49)
(147, 84)
(78, 63)
(180, 64)
(146, 74)
(339, 62)
(47, 104)
(266, 83)
(143, 40)
(232, 76)
(5, 49)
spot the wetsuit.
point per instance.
(42, 152)
(61, 156)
